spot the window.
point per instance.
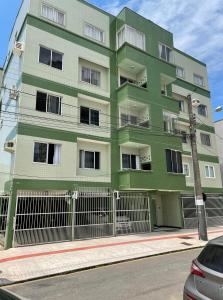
(205, 139)
(174, 161)
(46, 153)
(186, 170)
(169, 122)
(94, 32)
(130, 161)
(131, 36)
(53, 14)
(89, 116)
(198, 80)
(181, 105)
(90, 76)
(202, 110)
(165, 53)
(180, 72)
(209, 172)
(128, 119)
(48, 103)
(184, 137)
(51, 58)
(212, 258)
(89, 160)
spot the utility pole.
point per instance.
(202, 226)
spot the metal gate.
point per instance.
(93, 214)
(46, 217)
(4, 203)
(132, 213)
(213, 208)
(42, 218)
(189, 212)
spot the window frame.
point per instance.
(188, 168)
(47, 153)
(171, 56)
(209, 166)
(90, 83)
(179, 168)
(97, 28)
(207, 135)
(84, 168)
(89, 118)
(51, 55)
(130, 155)
(183, 72)
(54, 8)
(124, 28)
(200, 77)
(181, 105)
(173, 117)
(206, 110)
(53, 95)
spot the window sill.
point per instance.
(175, 174)
(90, 84)
(135, 171)
(45, 164)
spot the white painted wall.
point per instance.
(190, 67)
(77, 13)
(219, 141)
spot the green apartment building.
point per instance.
(95, 126)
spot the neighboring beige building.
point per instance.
(219, 140)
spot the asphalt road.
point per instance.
(155, 278)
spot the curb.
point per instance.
(98, 266)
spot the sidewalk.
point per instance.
(26, 263)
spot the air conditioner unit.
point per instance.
(19, 48)
(9, 146)
(14, 93)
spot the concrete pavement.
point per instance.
(27, 263)
(153, 278)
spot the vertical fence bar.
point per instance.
(114, 196)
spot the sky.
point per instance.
(197, 27)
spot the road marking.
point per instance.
(85, 248)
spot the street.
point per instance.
(160, 277)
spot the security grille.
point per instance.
(189, 212)
(4, 202)
(42, 219)
(47, 217)
(132, 213)
(93, 215)
(213, 208)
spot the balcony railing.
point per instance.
(126, 120)
(141, 83)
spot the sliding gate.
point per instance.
(42, 218)
(213, 209)
(87, 213)
(132, 213)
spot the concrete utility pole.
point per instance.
(202, 226)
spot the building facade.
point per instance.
(93, 103)
(219, 139)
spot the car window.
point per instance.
(212, 258)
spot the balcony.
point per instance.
(133, 113)
(135, 157)
(136, 179)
